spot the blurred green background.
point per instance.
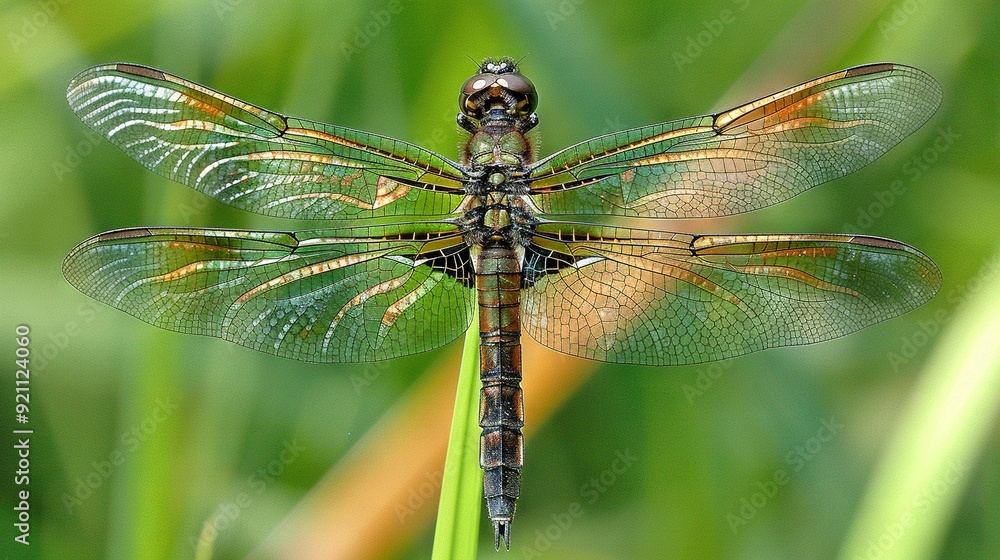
(149, 444)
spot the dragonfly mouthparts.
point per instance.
(498, 528)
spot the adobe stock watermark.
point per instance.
(197, 203)
(364, 34)
(927, 329)
(225, 515)
(562, 13)
(49, 347)
(796, 459)
(912, 171)
(74, 154)
(428, 487)
(923, 501)
(193, 208)
(225, 7)
(695, 45)
(899, 16)
(705, 379)
(439, 138)
(31, 26)
(612, 124)
(101, 471)
(590, 493)
(369, 373)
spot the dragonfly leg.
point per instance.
(467, 124)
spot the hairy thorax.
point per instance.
(498, 211)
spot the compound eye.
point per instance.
(467, 99)
(478, 83)
(516, 83)
(523, 90)
(478, 91)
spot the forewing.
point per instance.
(747, 158)
(343, 295)
(646, 297)
(257, 160)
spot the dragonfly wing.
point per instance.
(336, 295)
(743, 159)
(258, 160)
(647, 297)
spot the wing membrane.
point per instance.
(646, 297)
(336, 295)
(257, 160)
(747, 158)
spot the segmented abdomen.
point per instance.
(501, 409)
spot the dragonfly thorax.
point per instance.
(497, 212)
(510, 148)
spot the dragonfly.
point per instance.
(414, 245)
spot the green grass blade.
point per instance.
(456, 532)
(914, 494)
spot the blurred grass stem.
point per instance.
(456, 531)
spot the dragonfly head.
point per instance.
(498, 86)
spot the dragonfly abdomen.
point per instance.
(501, 408)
